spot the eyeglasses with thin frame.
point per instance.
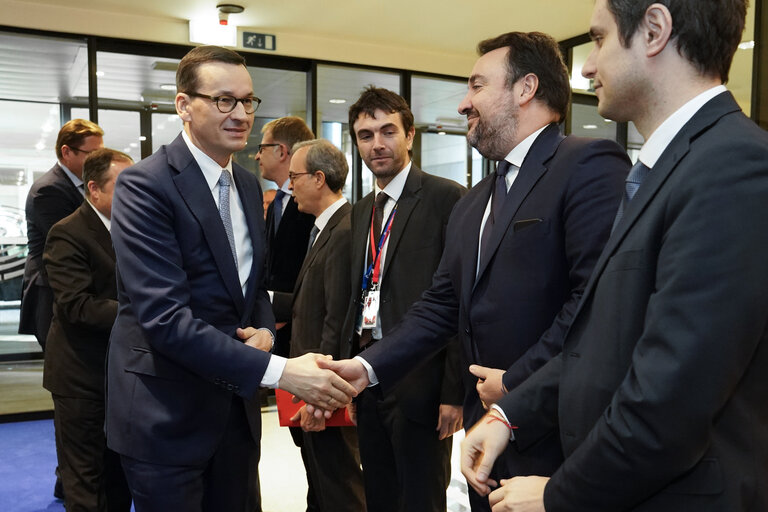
(293, 175)
(227, 104)
(262, 146)
(82, 150)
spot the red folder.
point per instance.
(286, 410)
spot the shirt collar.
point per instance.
(322, 220)
(394, 188)
(285, 187)
(104, 219)
(519, 152)
(663, 135)
(77, 182)
(211, 170)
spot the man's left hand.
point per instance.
(519, 494)
(308, 422)
(450, 420)
(256, 338)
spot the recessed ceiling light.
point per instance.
(337, 101)
(142, 138)
(590, 127)
(441, 133)
(747, 46)
(100, 73)
(168, 87)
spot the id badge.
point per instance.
(370, 309)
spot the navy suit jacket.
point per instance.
(174, 359)
(660, 393)
(513, 313)
(52, 197)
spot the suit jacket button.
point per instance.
(230, 387)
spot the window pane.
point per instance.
(586, 122)
(121, 130)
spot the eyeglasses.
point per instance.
(82, 150)
(262, 146)
(227, 104)
(293, 175)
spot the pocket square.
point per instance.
(522, 224)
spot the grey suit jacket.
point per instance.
(660, 393)
(319, 301)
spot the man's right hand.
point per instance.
(480, 448)
(351, 370)
(316, 385)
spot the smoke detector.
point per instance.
(226, 9)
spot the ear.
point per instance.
(182, 107)
(409, 137)
(93, 189)
(656, 29)
(285, 152)
(319, 179)
(528, 85)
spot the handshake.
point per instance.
(325, 385)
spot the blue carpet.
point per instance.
(27, 463)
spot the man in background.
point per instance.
(80, 264)
(317, 308)
(659, 394)
(53, 196)
(397, 240)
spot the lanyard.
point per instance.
(374, 269)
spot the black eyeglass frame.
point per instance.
(254, 101)
(262, 146)
(82, 150)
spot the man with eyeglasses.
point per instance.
(53, 196)
(190, 346)
(287, 232)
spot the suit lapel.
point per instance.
(194, 190)
(408, 200)
(471, 231)
(534, 167)
(320, 242)
(250, 198)
(708, 115)
(98, 230)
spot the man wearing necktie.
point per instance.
(397, 240)
(659, 395)
(190, 346)
(520, 246)
(53, 196)
(317, 308)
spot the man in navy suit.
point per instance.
(190, 345)
(659, 396)
(53, 196)
(520, 245)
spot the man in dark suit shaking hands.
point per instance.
(660, 393)
(190, 346)
(520, 246)
(80, 264)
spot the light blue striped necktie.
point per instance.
(224, 181)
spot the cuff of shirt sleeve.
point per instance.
(271, 296)
(274, 371)
(371, 374)
(501, 412)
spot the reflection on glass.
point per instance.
(580, 54)
(121, 130)
(165, 128)
(445, 155)
(586, 122)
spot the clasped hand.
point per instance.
(310, 378)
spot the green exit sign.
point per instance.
(259, 41)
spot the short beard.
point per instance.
(494, 138)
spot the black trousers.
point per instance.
(91, 474)
(224, 483)
(406, 467)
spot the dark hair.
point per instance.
(376, 98)
(288, 130)
(97, 165)
(706, 33)
(537, 53)
(322, 155)
(74, 132)
(186, 74)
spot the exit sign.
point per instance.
(259, 41)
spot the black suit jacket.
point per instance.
(174, 362)
(80, 264)
(52, 197)
(660, 394)
(287, 246)
(318, 305)
(512, 313)
(416, 242)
